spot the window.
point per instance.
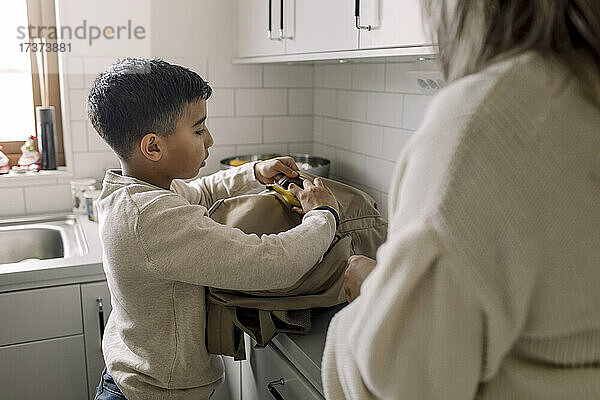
(19, 77)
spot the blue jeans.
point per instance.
(107, 389)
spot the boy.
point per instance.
(160, 247)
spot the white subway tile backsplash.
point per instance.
(220, 103)
(74, 71)
(79, 136)
(13, 201)
(337, 133)
(318, 129)
(251, 102)
(92, 66)
(368, 77)
(325, 102)
(53, 198)
(235, 130)
(367, 139)
(288, 76)
(77, 99)
(93, 165)
(306, 148)
(222, 73)
(301, 101)
(394, 141)
(379, 174)
(414, 110)
(328, 153)
(196, 64)
(352, 105)
(95, 142)
(385, 109)
(397, 80)
(275, 148)
(350, 166)
(287, 129)
(334, 76)
(216, 154)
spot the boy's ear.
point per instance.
(150, 145)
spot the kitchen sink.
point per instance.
(40, 238)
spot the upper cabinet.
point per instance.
(258, 28)
(319, 26)
(391, 23)
(298, 30)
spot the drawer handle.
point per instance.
(100, 318)
(273, 390)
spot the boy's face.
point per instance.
(188, 146)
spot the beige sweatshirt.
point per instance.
(489, 284)
(160, 250)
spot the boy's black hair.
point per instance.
(137, 96)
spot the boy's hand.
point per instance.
(266, 171)
(359, 267)
(313, 196)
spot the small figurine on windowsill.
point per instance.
(30, 159)
(4, 168)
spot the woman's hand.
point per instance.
(359, 267)
(266, 171)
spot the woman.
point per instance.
(489, 284)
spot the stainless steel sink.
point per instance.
(40, 238)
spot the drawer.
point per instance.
(40, 314)
(269, 365)
(47, 369)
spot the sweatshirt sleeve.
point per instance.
(182, 243)
(415, 332)
(207, 190)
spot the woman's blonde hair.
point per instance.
(474, 33)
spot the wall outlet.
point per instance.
(427, 81)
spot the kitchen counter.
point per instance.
(306, 351)
(58, 271)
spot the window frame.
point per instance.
(42, 13)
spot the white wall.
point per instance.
(357, 115)
(364, 114)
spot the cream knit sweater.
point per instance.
(489, 284)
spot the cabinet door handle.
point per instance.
(357, 18)
(281, 19)
(270, 22)
(100, 318)
(273, 390)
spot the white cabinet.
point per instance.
(253, 25)
(312, 30)
(267, 373)
(96, 306)
(44, 369)
(41, 345)
(319, 26)
(394, 23)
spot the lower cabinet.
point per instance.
(268, 374)
(51, 348)
(44, 369)
(95, 306)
